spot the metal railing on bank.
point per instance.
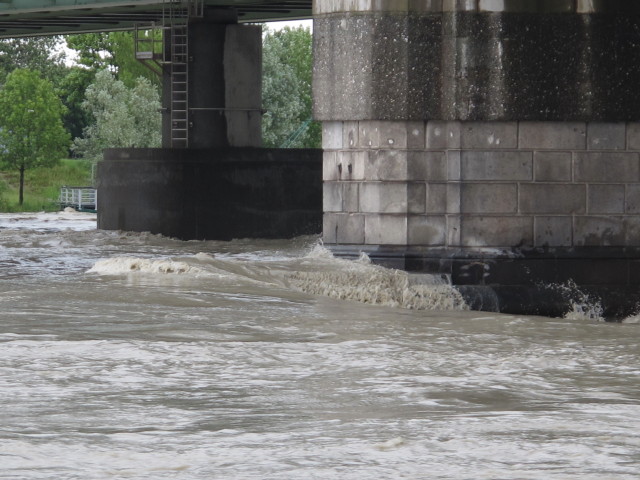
(83, 199)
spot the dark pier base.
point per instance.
(541, 281)
(211, 194)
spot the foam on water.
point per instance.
(367, 283)
(317, 273)
(67, 219)
(123, 265)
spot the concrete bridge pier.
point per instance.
(216, 77)
(496, 142)
(212, 180)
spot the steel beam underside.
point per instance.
(53, 17)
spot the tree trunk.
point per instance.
(21, 196)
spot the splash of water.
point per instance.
(582, 305)
(364, 282)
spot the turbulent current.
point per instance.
(142, 357)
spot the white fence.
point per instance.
(80, 198)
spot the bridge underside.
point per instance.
(52, 17)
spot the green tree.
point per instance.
(31, 130)
(123, 117)
(41, 54)
(71, 91)
(286, 89)
(112, 51)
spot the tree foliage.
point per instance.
(122, 117)
(40, 54)
(31, 130)
(113, 51)
(286, 89)
(71, 91)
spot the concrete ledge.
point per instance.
(211, 194)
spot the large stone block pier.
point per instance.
(495, 142)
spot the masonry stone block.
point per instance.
(554, 231)
(632, 199)
(607, 167)
(329, 222)
(594, 231)
(416, 135)
(332, 135)
(633, 136)
(489, 135)
(550, 198)
(454, 165)
(385, 230)
(416, 197)
(496, 165)
(489, 198)
(332, 194)
(498, 231)
(350, 196)
(358, 161)
(342, 160)
(454, 231)
(552, 135)
(330, 166)
(632, 231)
(552, 166)
(606, 136)
(349, 164)
(454, 197)
(441, 135)
(436, 198)
(427, 230)
(393, 134)
(605, 199)
(343, 228)
(386, 165)
(427, 166)
(383, 197)
(369, 134)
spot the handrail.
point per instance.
(79, 197)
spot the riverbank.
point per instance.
(42, 185)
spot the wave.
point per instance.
(123, 265)
(316, 273)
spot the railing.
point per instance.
(80, 198)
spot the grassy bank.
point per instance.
(42, 185)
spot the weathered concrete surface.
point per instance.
(225, 79)
(430, 64)
(211, 194)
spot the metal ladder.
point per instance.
(175, 27)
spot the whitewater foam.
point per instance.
(582, 305)
(123, 265)
(372, 284)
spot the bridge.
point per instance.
(47, 17)
(493, 141)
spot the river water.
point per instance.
(141, 357)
